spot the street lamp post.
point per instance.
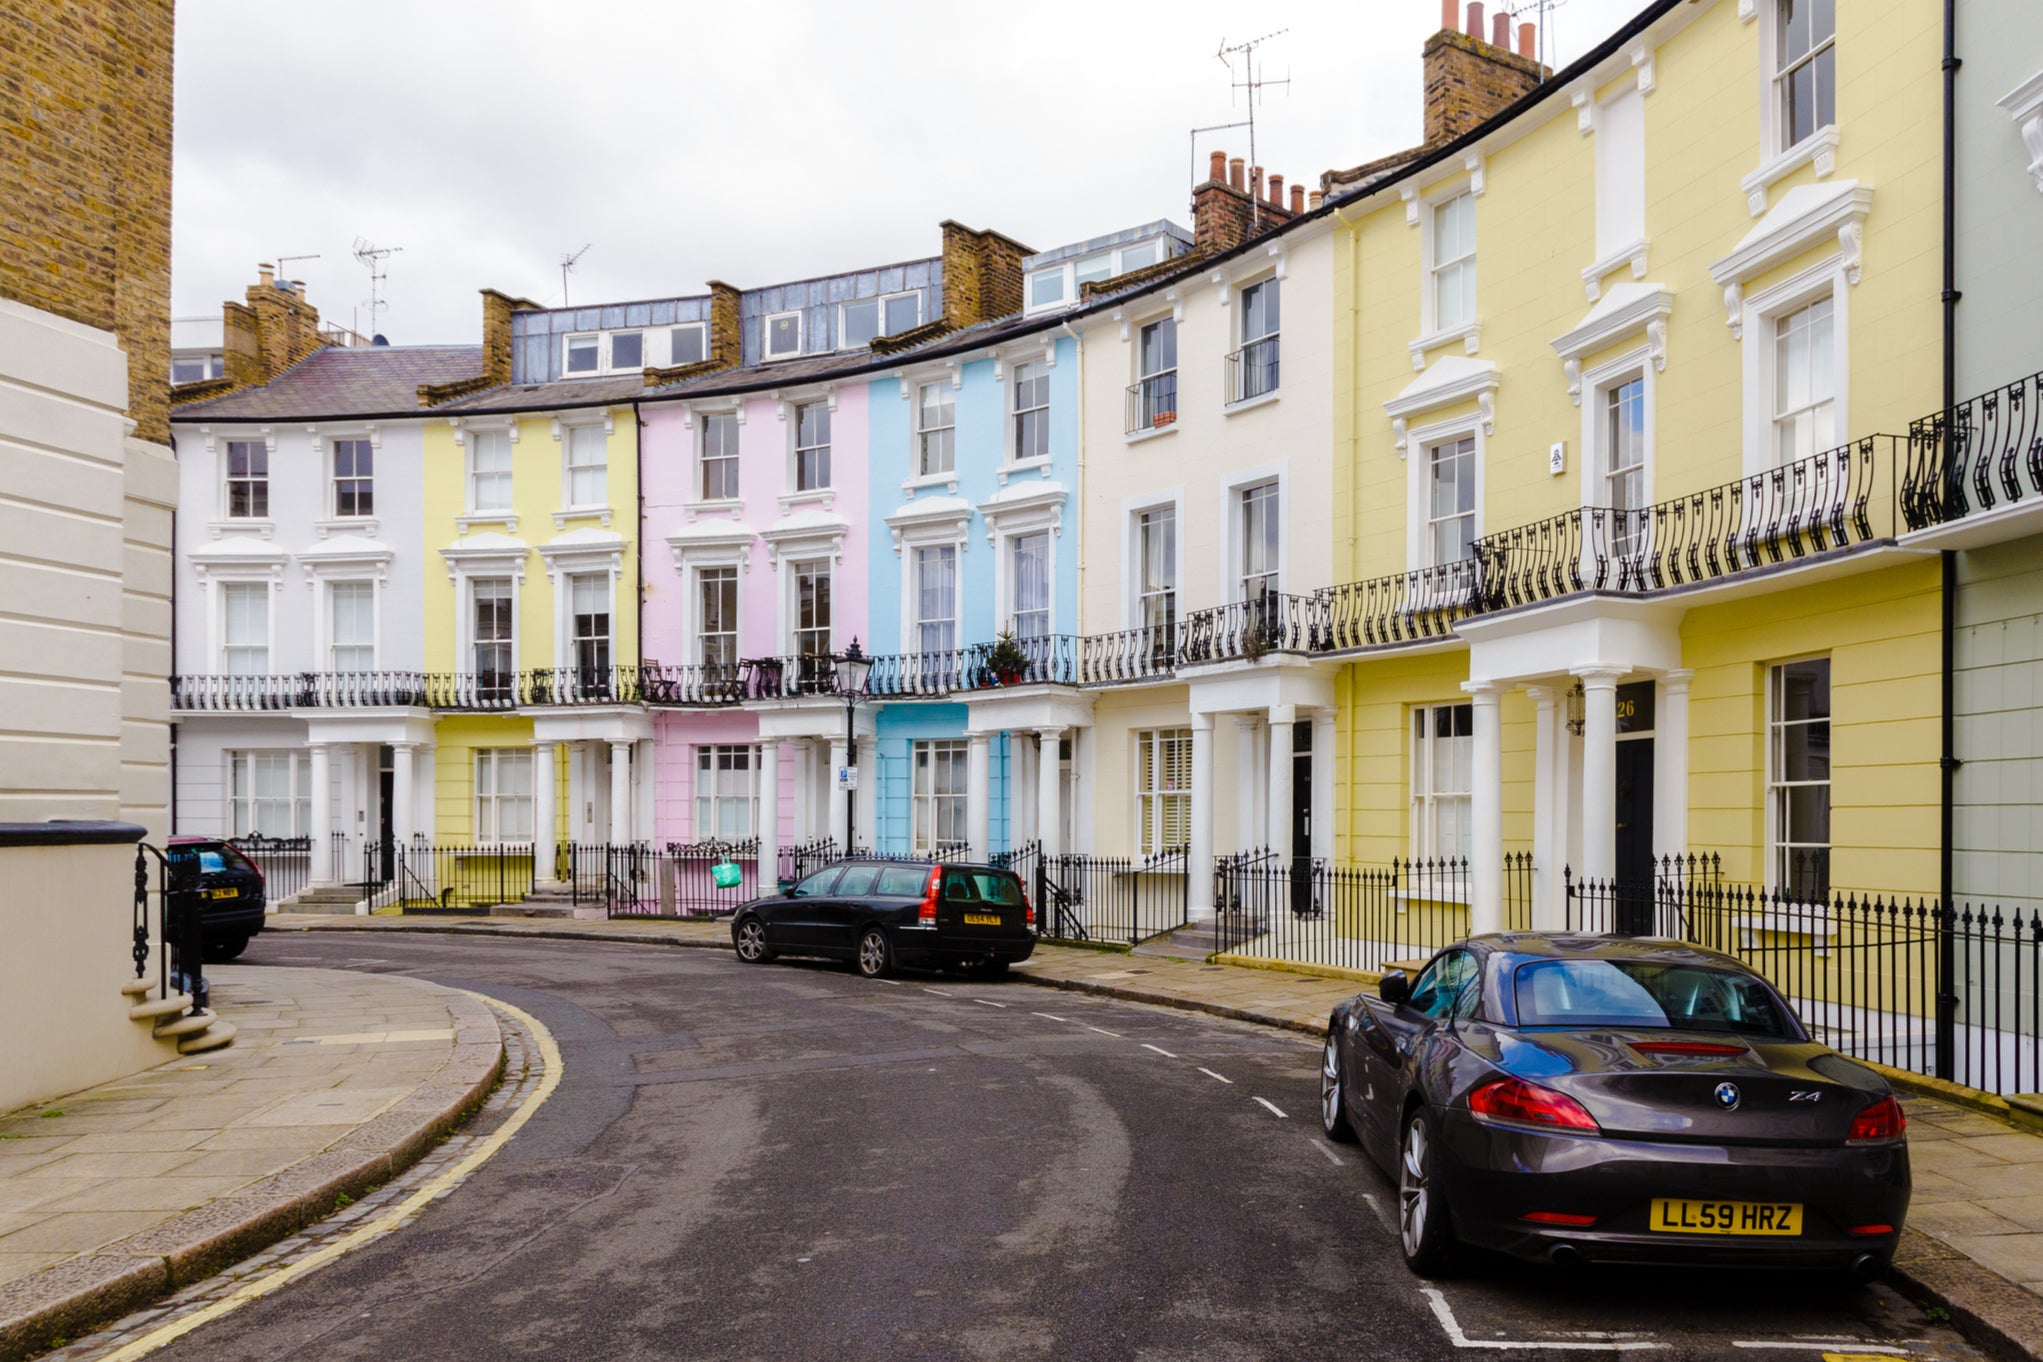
(852, 666)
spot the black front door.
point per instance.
(386, 839)
(1635, 837)
(1300, 847)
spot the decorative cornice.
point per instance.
(1806, 215)
(2025, 102)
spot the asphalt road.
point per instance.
(789, 1162)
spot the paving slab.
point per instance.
(147, 1182)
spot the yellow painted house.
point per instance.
(533, 516)
(1617, 523)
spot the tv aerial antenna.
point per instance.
(567, 263)
(284, 260)
(373, 257)
(1250, 81)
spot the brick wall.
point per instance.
(85, 119)
(1469, 80)
(982, 275)
(1233, 205)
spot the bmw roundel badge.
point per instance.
(1727, 1096)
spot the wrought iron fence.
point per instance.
(427, 878)
(1984, 453)
(1306, 910)
(1106, 898)
(1950, 990)
(678, 880)
(1252, 370)
(166, 913)
(1152, 402)
(285, 863)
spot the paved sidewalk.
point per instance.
(335, 1081)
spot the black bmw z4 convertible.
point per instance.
(1573, 1099)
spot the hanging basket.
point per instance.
(726, 874)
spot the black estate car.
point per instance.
(232, 896)
(1570, 1098)
(879, 914)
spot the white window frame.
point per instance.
(569, 506)
(268, 449)
(1009, 585)
(1762, 311)
(879, 300)
(791, 602)
(1238, 327)
(766, 350)
(912, 595)
(1151, 801)
(610, 364)
(1436, 330)
(564, 609)
(1009, 516)
(1423, 830)
(494, 758)
(1777, 158)
(1598, 385)
(699, 456)
(299, 763)
(567, 349)
(1421, 441)
(1011, 397)
(1132, 510)
(332, 444)
(1067, 269)
(703, 800)
(1776, 415)
(266, 581)
(327, 631)
(1229, 504)
(470, 565)
(472, 515)
(920, 798)
(701, 329)
(826, 490)
(465, 625)
(697, 629)
(944, 386)
(1775, 779)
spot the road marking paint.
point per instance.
(892, 983)
(937, 991)
(1274, 1108)
(1223, 1078)
(435, 1188)
(1452, 1327)
(1103, 1031)
(1048, 1015)
(983, 1003)
(1332, 1157)
(1159, 1049)
(1382, 1215)
(1883, 1352)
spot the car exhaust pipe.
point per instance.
(1865, 1267)
(1568, 1256)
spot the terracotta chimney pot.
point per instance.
(1315, 199)
(1450, 15)
(1298, 198)
(1527, 44)
(1277, 190)
(1234, 164)
(1475, 19)
(1500, 31)
(267, 275)
(1217, 169)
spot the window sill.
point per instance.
(1152, 433)
(1008, 470)
(364, 525)
(720, 506)
(1818, 148)
(567, 513)
(947, 481)
(1251, 403)
(261, 526)
(507, 519)
(1470, 334)
(825, 497)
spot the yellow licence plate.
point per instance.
(982, 919)
(224, 894)
(1672, 1216)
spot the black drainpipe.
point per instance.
(173, 647)
(638, 453)
(1947, 994)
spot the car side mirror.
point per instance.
(1395, 988)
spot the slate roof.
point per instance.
(343, 381)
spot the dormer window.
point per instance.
(860, 323)
(628, 350)
(688, 345)
(584, 354)
(1092, 270)
(1063, 283)
(1046, 287)
(783, 335)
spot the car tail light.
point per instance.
(925, 916)
(1714, 1049)
(1559, 1218)
(1511, 1101)
(1881, 1121)
(1028, 910)
(1869, 1230)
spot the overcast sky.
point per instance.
(686, 141)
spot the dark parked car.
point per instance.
(879, 914)
(232, 898)
(1575, 1098)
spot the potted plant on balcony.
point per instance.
(1007, 659)
(1163, 418)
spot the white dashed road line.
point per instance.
(1220, 1077)
(1853, 1345)
(1159, 1049)
(1275, 1110)
(895, 983)
(983, 1003)
(937, 991)
(1452, 1327)
(1046, 1016)
(1103, 1031)
(1332, 1157)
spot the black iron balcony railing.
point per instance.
(1149, 653)
(1153, 402)
(692, 685)
(298, 690)
(791, 678)
(1245, 630)
(1252, 370)
(1399, 610)
(1983, 454)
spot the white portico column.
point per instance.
(1323, 784)
(869, 792)
(1547, 854)
(644, 826)
(545, 814)
(1280, 775)
(1200, 858)
(836, 801)
(769, 816)
(403, 790)
(978, 796)
(620, 793)
(1670, 766)
(1245, 835)
(1486, 809)
(322, 815)
(1599, 772)
(1049, 805)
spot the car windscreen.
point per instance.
(1648, 993)
(982, 886)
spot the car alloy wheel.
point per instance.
(1424, 1231)
(872, 953)
(1333, 1113)
(752, 942)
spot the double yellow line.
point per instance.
(383, 1224)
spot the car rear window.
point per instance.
(1648, 993)
(981, 886)
(903, 881)
(211, 861)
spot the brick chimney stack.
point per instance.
(1227, 211)
(1470, 78)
